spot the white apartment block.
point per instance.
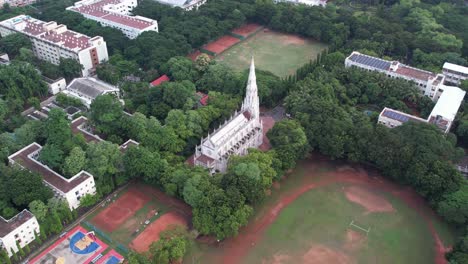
(71, 190)
(55, 86)
(442, 115)
(15, 3)
(428, 83)
(87, 89)
(115, 14)
(51, 42)
(305, 2)
(448, 98)
(21, 228)
(187, 5)
(454, 73)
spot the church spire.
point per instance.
(251, 101)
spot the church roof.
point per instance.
(229, 129)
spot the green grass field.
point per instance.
(276, 52)
(320, 218)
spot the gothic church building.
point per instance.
(242, 131)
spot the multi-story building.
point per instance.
(442, 115)
(18, 230)
(184, 4)
(55, 86)
(16, 3)
(305, 2)
(428, 83)
(449, 98)
(51, 42)
(243, 131)
(71, 190)
(115, 14)
(87, 89)
(454, 73)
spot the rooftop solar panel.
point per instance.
(371, 61)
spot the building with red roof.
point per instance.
(115, 14)
(203, 99)
(51, 41)
(160, 80)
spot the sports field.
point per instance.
(330, 212)
(276, 52)
(137, 215)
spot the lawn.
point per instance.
(276, 52)
(325, 214)
(315, 226)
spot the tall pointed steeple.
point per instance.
(251, 101)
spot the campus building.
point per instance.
(71, 190)
(184, 4)
(86, 89)
(428, 83)
(20, 229)
(304, 2)
(454, 73)
(115, 14)
(442, 115)
(242, 131)
(16, 3)
(51, 41)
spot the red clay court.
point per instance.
(121, 210)
(247, 29)
(151, 234)
(221, 44)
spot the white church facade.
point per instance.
(242, 131)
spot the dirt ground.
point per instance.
(151, 234)
(235, 249)
(368, 200)
(119, 211)
(246, 29)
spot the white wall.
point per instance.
(86, 187)
(25, 232)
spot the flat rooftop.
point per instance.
(449, 102)
(385, 65)
(400, 116)
(455, 68)
(48, 31)
(9, 225)
(96, 9)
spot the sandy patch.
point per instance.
(354, 240)
(278, 259)
(368, 200)
(319, 254)
(295, 40)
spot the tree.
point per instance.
(139, 162)
(245, 177)
(103, 161)
(202, 62)
(105, 110)
(37, 238)
(70, 68)
(75, 161)
(52, 156)
(171, 246)
(4, 257)
(88, 200)
(57, 129)
(289, 140)
(182, 68)
(454, 206)
(35, 102)
(20, 249)
(23, 187)
(38, 209)
(11, 44)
